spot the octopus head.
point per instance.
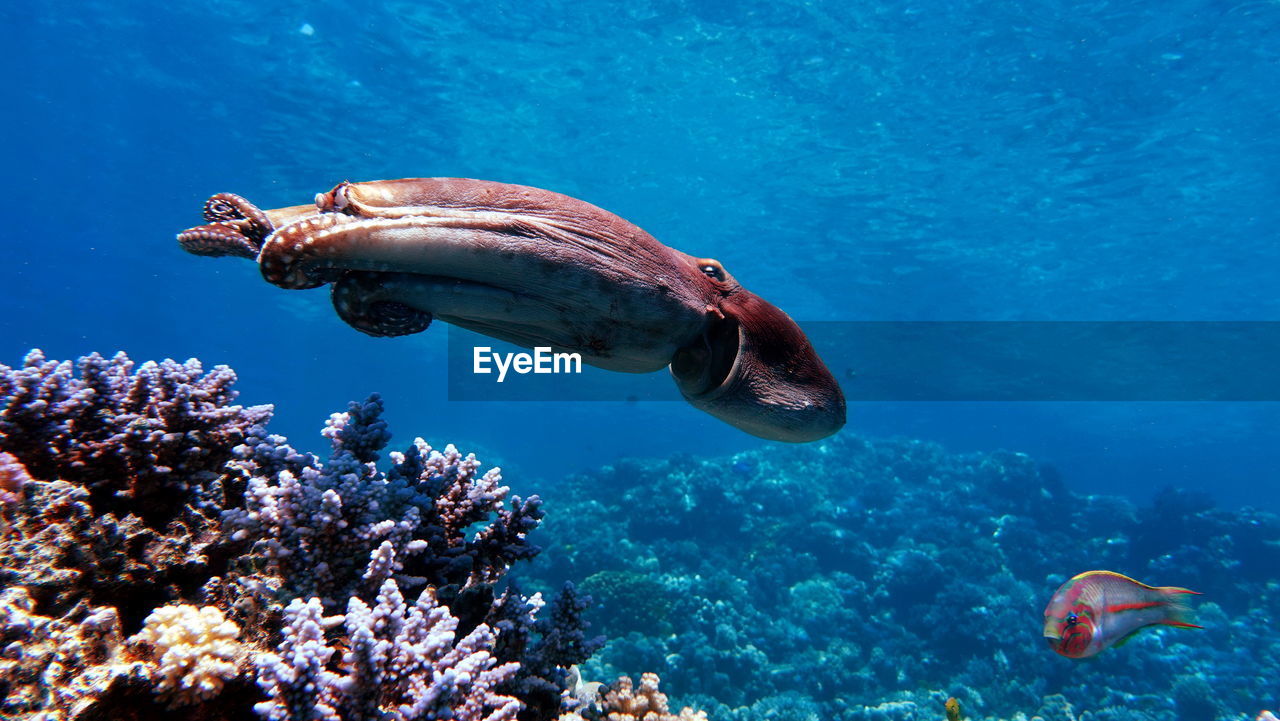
(754, 368)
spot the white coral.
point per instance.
(197, 650)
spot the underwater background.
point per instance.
(906, 161)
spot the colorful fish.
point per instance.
(1099, 609)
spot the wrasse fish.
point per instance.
(1099, 609)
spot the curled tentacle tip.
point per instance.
(217, 239)
(252, 222)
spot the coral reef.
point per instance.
(161, 550)
(545, 662)
(162, 553)
(858, 580)
(138, 439)
(123, 493)
(13, 478)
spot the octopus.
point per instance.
(538, 269)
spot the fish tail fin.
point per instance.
(1180, 614)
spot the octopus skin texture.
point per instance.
(537, 268)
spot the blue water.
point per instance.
(899, 161)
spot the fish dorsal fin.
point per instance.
(1177, 589)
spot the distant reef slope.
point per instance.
(853, 580)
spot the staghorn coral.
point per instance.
(337, 532)
(197, 648)
(546, 682)
(296, 679)
(205, 525)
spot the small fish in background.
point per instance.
(1099, 609)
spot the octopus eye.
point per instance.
(712, 269)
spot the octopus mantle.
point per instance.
(537, 268)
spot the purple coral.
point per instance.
(133, 488)
(295, 679)
(544, 663)
(402, 662)
(341, 528)
(120, 474)
(141, 441)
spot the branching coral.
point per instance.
(143, 441)
(545, 663)
(342, 527)
(340, 531)
(120, 476)
(402, 662)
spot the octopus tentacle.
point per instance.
(236, 228)
(294, 257)
(356, 298)
(218, 239)
(305, 253)
(231, 208)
